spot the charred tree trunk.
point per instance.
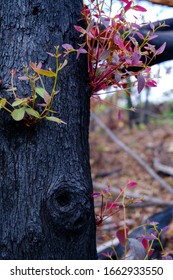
(165, 34)
(46, 210)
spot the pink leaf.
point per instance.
(128, 6)
(151, 83)
(80, 29)
(81, 50)
(135, 25)
(23, 78)
(141, 82)
(121, 190)
(106, 255)
(119, 16)
(112, 205)
(136, 58)
(106, 190)
(95, 194)
(161, 49)
(152, 26)
(39, 65)
(140, 35)
(131, 184)
(47, 97)
(51, 54)
(165, 228)
(152, 37)
(67, 47)
(148, 69)
(118, 41)
(150, 237)
(139, 8)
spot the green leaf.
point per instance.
(3, 102)
(47, 73)
(40, 91)
(18, 102)
(43, 72)
(54, 119)
(18, 114)
(32, 112)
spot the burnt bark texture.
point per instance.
(46, 209)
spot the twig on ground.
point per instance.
(123, 146)
(149, 199)
(162, 167)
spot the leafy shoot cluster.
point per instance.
(38, 106)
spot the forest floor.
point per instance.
(112, 165)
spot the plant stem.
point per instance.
(55, 80)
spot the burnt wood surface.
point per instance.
(46, 209)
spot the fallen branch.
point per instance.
(116, 140)
(106, 174)
(110, 226)
(150, 204)
(147, 198)
(162, 167)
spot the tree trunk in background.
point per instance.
(146, 117)
(46, 209)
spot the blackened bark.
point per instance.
(165, 34)
(46, 210)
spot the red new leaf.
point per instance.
(128, 6)
(131, 184)
(121, 234)
(95, 194)
(112, 205)
(80, 29)
(145, 243)
(139, 8)
(151, 83)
